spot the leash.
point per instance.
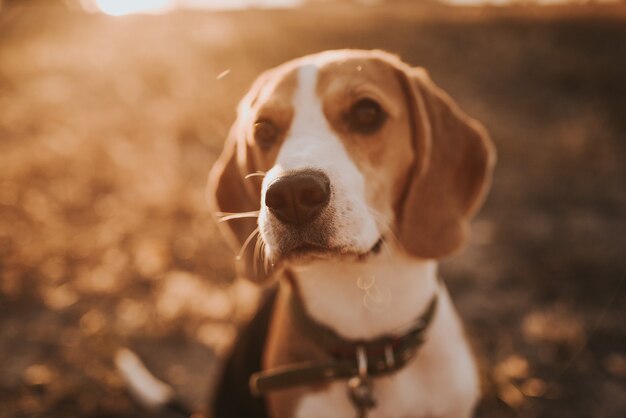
(354, 360)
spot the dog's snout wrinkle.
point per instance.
(298, 198)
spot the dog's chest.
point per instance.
(439, 382)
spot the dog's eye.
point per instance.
(365, 116)
(265, 133)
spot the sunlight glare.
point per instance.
(125, 7)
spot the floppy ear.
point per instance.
(230, 192)
(454, 159)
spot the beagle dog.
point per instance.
(347, 175)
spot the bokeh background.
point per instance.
(110, 121)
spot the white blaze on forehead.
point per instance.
(312, 144)
(310, 141)
(308, 110)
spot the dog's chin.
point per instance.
(305, 253)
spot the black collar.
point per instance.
(380, 356)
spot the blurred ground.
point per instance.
(108, 127)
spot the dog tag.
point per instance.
(360, 392)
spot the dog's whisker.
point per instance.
(266, 259)
(255, 260)
(247, 242)
(386, 226)
(376, 215)
(218, 214)
(391, 236)
(255, 174)
(261, 252)
(230, 216)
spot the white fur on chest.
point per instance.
(441, 381)
(367, 299)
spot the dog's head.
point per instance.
(341, 152)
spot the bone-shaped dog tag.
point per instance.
(360, 392)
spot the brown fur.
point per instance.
(447, 191)
(429, 166)
(228, 188)
(287, 345)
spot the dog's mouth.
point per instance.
(306, 252)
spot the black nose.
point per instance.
(298, 198)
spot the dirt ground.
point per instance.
(108, 127)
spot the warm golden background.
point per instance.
(109, 125)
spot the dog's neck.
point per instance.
(367, 299)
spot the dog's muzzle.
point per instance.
(298, 202)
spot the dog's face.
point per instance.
(345, 151)
(335, 165)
